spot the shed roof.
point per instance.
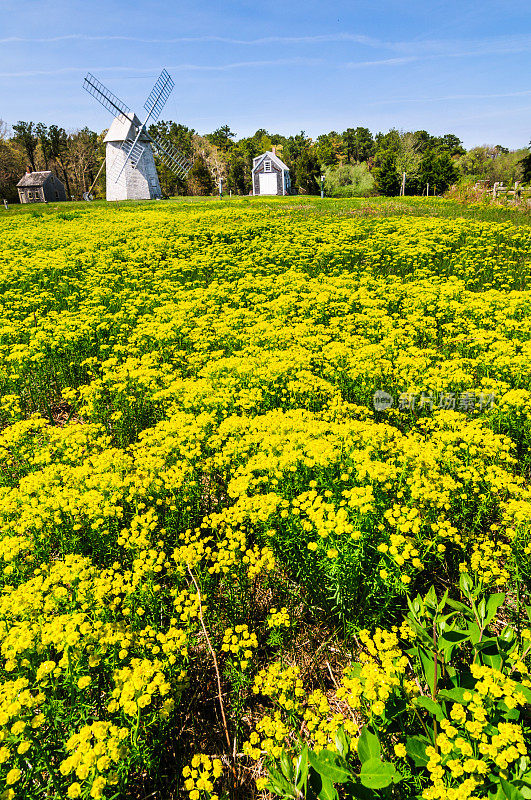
(34, 178)
(273, 156)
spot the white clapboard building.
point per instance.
(270, 175)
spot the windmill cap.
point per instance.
(122, 128)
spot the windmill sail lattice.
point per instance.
(131, 171)
(105, 97)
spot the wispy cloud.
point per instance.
(386, 62)
(317, 39)
(451, 48)
(279, 62)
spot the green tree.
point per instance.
(58, 151)
(84, 159)
(41, 131)
(307, 171)
(180, 138)
(222, 137)
(446, 171)
(200, 180)
(359, 144)
(423, 141)
(11, 166)
(237, 175)
(449, 143)
(330, 148)
(26, 136)
(428, 170)
(349, 180)
(386, 176)
(388, 142)
(525, 163)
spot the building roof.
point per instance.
(34, 178)
(273, 156)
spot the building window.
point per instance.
(30, 195)
(267, 166)
(56, 195)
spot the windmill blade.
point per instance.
(108, 100)
(158, 96)
(172, 158)
(133, 150)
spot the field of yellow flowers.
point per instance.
(236, 439)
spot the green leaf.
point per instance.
(498, 794)
(322, 787)
(525, 691)
(428, 666)
(368, 745)
(419, 630)
(416, 750)
(286, 764)
(493, 604)
(456, 695)
(279, 784)
(342, 742)
(461, 607)
(301, 768)
(330, 765)
(430, 598)
(466, 584)
(376, 774)
(489, 654)
(510, 791)
(430, 705)
(474, 632)
(442, 601)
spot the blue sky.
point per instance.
(441, 65)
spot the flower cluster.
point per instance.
(200, 777)
(239, 643)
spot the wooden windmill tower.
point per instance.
(130, 166)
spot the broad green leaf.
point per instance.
(279, 784)
(419, 630)
(461, 607)
(474, 632)
(498, 794)
(465, 583)
(430, 705)
(368, 745)
(330, 765)
(456, 695)
(322, 787)
(416, 750)
(376, 774)
(510, 791)
(489, 654)
(286, 765)
(493, 604)
(342, 742)
(428, 666)
(301, 768)
(442, 601)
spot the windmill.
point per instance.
(130, 166)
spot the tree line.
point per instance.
(353, 162)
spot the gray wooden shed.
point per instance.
(270, 175)
(40, 187)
